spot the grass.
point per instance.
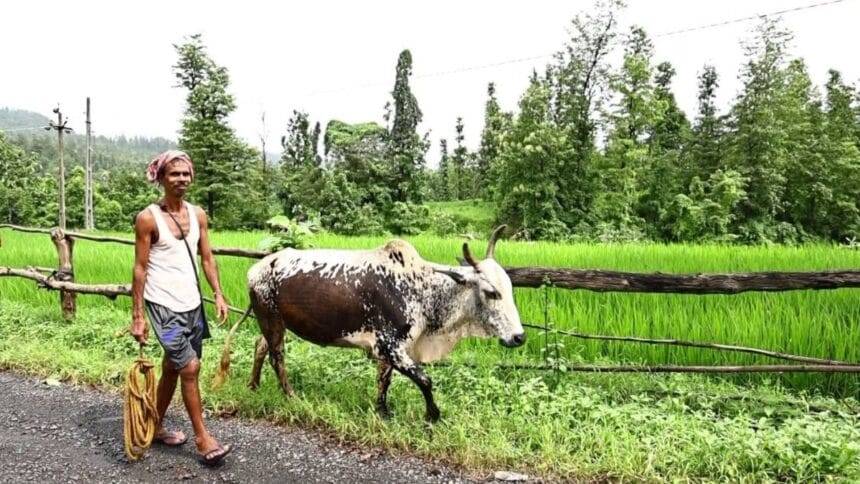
(476, 214)
(813, 323)
(653, 427)
(586, 426)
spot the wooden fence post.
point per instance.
(66, 271)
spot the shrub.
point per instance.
(408, 218)
(287, 233)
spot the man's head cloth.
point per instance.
(155, 169)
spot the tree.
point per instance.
(460, 177)
(300, 143)
(533, 163)
(758, 138)
(301, 176)
(496, 123)
(670, 130)
(444, 173)
(406, 148)
(19, 169)
(805, 171)
(360, 151)
(841, 153)
(579, 82)
(668, 136)
(622, 170)
(706, 151)
(222, 162)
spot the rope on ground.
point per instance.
(140, 416)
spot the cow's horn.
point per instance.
(467, 254)
(491, 245)
(456, 276)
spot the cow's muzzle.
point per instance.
(514, 341)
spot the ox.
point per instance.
(399, 308)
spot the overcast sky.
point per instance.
(336, 60)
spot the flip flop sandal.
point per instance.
(215, 456)
(170, 439)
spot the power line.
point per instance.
(751, 17)
(531, 58)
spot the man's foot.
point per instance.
(170, 439)
(215, 455)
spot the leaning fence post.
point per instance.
(65, 270)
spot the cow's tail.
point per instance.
(224, 369)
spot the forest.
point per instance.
(594, 151)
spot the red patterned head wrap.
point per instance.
(155, 169)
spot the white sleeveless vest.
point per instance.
(170, 279)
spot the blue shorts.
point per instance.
(180, 334)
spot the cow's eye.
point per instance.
(492, 294)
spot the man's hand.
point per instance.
(221, 309)
(139, 329)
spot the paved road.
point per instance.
(72, 434)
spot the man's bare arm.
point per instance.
(144, 228)
(210, 267)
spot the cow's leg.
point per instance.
(402, 363)
(259, 356)
(275, 339)
(383, 381)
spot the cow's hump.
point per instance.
(401, 255)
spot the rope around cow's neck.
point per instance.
(140, 416)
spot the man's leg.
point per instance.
(166, 387)
(164, 395)
(191, 396)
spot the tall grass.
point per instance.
(813, 323)
(588, 426)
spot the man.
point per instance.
(165, 281)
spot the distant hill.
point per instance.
(109, 153)
(17, 119)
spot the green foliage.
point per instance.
(408, 218)
(781, 165)
(464, 217)
(496, 122)
(460, 172)
(18, 201)
(359, 151)
(533, 162)
(287, 232)
(300, 143)
(343, 210)
(800, 428)
(438, 181)
(129, 190)
(405, 148)
(224, 164)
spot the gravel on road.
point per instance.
(64, 433)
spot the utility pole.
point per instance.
(263, 136)
(61, 128)
(89, 222)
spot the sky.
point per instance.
(336, 59)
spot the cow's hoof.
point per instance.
(383, 412)
(253, 386)
(289, 392)
(433, 415)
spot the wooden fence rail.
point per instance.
(234, 251)
(810, 364)
(605, 281)
(113, 290)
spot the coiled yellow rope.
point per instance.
(140, 416)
